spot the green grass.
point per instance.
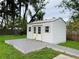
(71, 44)
(9, 52)
(45, 53)
(9, 37)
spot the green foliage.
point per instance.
(73, 25)
(73, 29)
(11, 10)
(40, 15)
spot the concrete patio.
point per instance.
(29, 45)
(26, 46)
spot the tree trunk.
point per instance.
(2, 23)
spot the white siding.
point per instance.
(59, 32)
(29, 34)
(47, 37)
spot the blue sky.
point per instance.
(52, 11)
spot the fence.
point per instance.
(73, 36)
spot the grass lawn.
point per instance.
(9, 37)
(9, 52)
(71, 44)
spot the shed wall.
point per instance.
(47, 36)
(29, 34)
(59, 32)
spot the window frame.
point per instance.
(39, 30)
(34, 29)
(47, 29)
(29, 29)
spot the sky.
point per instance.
(53, 11)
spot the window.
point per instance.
(46, 28)
(34, 29)
(39, 30)
(29, 29)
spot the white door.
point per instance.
(37, 30)
(39, 33)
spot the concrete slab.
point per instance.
(26, 46)
(61, 56)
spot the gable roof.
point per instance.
(46, 21)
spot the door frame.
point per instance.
(37, 36)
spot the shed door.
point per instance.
(37, 32)
(39, 36)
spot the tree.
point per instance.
(73, 29)
(72, 5)
(73, 25)
(38, 7)
(10, 10)
(40, 15)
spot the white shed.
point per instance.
(51, 31)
